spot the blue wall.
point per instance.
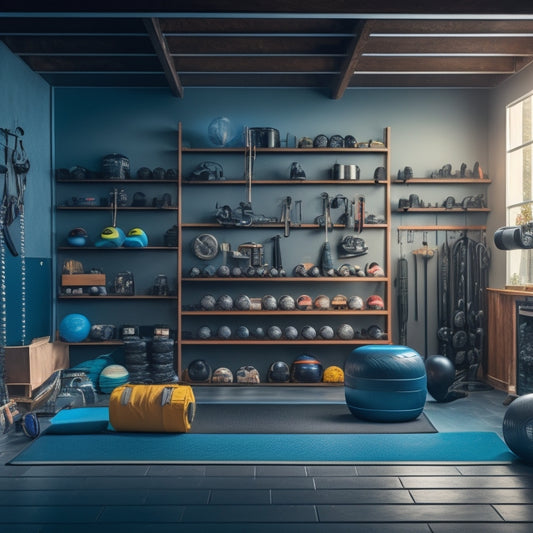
(25, 101)
(430, 128)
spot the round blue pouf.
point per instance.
(74, 328)
(518, 427)
(385, 383)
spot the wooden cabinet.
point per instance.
(500, 367)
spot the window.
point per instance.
(519, 184)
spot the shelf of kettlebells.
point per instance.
(299, 279)
(286, 342)
(280, 312)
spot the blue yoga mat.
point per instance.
(131, 448)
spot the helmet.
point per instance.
(278, 372)
(322, 302)
(136, 238)
(304, 302)
(77, 237)
(355, 303)
(222, 375)
(158, 173)
(247, 374)
(144, 173)
(306, 369)
(375, 302)
(111, 237)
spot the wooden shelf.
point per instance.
(114, 297)
(320, 279)
(279, 312)
(443, 181)
(284, 342)
(116, 249)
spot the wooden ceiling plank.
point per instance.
(180, 45)
(437, 64)
(261, 63)
(239, 25)
(71, 25)
(517, 46)
(457, 26)
(353, 54)
(162, 52)
(93, 63)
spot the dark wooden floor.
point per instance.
(430, 497)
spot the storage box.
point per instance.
(83, 280)
(29, 366)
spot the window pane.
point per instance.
(519, 123)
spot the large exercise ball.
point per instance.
(518, 427)
(74, 328)
(440, 376)
(385, 383)
(220, 131)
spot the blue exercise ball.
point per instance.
(385, 383)
(518, 427)
(74, 328)
(220, 131)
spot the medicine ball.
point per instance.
(112, 376)
(259, 333)
(204, 332)
(375, 302)
(286, 303)
(243, 303)
(225, 302)
(440, 376)
(136, 238)
(223, 271)
(242, 332)
(345, 332)
(224, 332)
(333, 374)
(274, 332)
(291, 333)
(247, 374)
(322, 302)
(144, 173)
(208, 302)
(77, 237)
(278, 372)
(111, 237)
(199, 370)
(309, 333)
(74, 327)
(269, 303)
(158, 173)
(326, 332)
(306, 369)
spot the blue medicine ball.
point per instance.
(74, 328)
(111, 237)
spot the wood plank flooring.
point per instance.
(429, 497)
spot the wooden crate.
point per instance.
(29, 366)
(82, 280)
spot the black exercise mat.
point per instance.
(294, 418)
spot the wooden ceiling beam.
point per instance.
(353, 55)
(375, 80)
(161, 49)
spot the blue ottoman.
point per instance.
(385, 383)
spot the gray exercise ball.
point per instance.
(518, 427)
